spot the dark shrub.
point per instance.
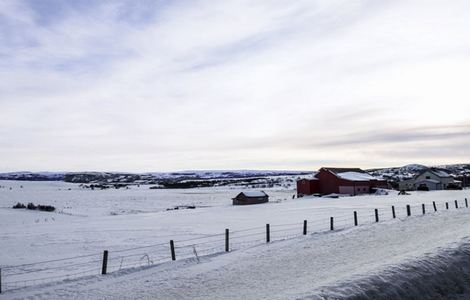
(46, 207)
(31, 206)
(19, 205)
(453, 186)
(422, 187)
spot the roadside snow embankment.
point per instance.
(445, 275)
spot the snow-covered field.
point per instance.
(135, 227)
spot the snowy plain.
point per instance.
(88, 222)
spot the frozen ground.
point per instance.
(87, 222)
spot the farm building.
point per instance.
(430, 180)
(250, 197)
(348, 181)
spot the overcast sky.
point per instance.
(178, 85)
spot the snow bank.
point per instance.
(441, 276)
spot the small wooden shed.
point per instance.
(250, 197)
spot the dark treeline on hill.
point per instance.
(174, 180)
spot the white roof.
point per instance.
(254, 193)
(440, 173)
(428, 180)
(356, 176)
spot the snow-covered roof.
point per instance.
(428, 180)
(440, 173)
(254, 193)
(356, 176)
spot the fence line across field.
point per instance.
(148, 255)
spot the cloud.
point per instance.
(165, 85)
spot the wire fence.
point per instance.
(65, 269)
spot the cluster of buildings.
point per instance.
(355, 181)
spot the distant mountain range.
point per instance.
(184, 179)
(206, 178)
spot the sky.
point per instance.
(272, 84)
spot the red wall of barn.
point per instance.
(329, 183)
(307, 187)
(303, 187)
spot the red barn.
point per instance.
(348, 181)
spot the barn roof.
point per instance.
(344, 170)
(437, 172)
(254, 194)
(351, 174)
(356, 176)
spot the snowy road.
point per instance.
(339, 264)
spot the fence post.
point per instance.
(376, 215)
(332, 227)
(424, 208)
(435, 207)
(268, 234)
(104, 266)
(355, 218)
(0, 280)
(393, 212)
(305, 227)
(466, 202)
(227, 246)
(447, 205)
(172, 250)
(456, 204)
(408, 210)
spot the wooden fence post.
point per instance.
(172, 250)
(456, 204)
(227, 246)
(268, 234)
(104, 266)
(305, 227)
(355, 218)
(408, 210)
(376, 215)
(434, 205)
(332, 227)
(447, 205)
(393, 212)
(466, 202)
(424, 208)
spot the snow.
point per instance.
(440, 173)
(428, 180)
(87, 222)
(356, 176)
(416, 258)
(254, 193)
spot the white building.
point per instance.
(430, 179)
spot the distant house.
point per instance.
(349, 181)
(430, 180)
(250, 197)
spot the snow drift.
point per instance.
(445, 275)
